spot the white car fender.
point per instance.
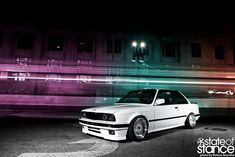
(135, 115)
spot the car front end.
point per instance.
(104, 125)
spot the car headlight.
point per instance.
(108, 117)
(111, 117)
(105, 116)
(84, 114)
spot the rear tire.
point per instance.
(190, 122)
(138, 129)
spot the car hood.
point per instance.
(116, 108)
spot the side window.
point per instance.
(178, 98)
(167, 95)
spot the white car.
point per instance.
(138, 113)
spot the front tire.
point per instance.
(138, 129)
(190, 122)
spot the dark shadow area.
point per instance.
(217, 119)
(21, 121)
(217, 112)
(217, 115)
(44, 108)
(41, 112)
(163, 133)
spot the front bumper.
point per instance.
(109, 132)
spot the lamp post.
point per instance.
(138, 51)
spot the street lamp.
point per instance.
(134, 44)
(142, 44)
(138, 51)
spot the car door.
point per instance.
(183, 106)
(165, 114)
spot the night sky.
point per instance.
(121, 15)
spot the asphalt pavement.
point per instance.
(49, 137)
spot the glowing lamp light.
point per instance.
(142, 44)
(134, 44)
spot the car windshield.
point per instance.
(144, 96)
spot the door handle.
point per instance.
(176, 107)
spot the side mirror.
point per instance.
(160, 101)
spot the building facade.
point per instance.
(115, 47)
(72, 67)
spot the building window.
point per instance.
(56, 43)
(114, 46)
(196, 50)
(84, 45)
(118, 46)
(1, 39)
(25, 42)
(219, 52)
(169, 49)
(109, 46)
